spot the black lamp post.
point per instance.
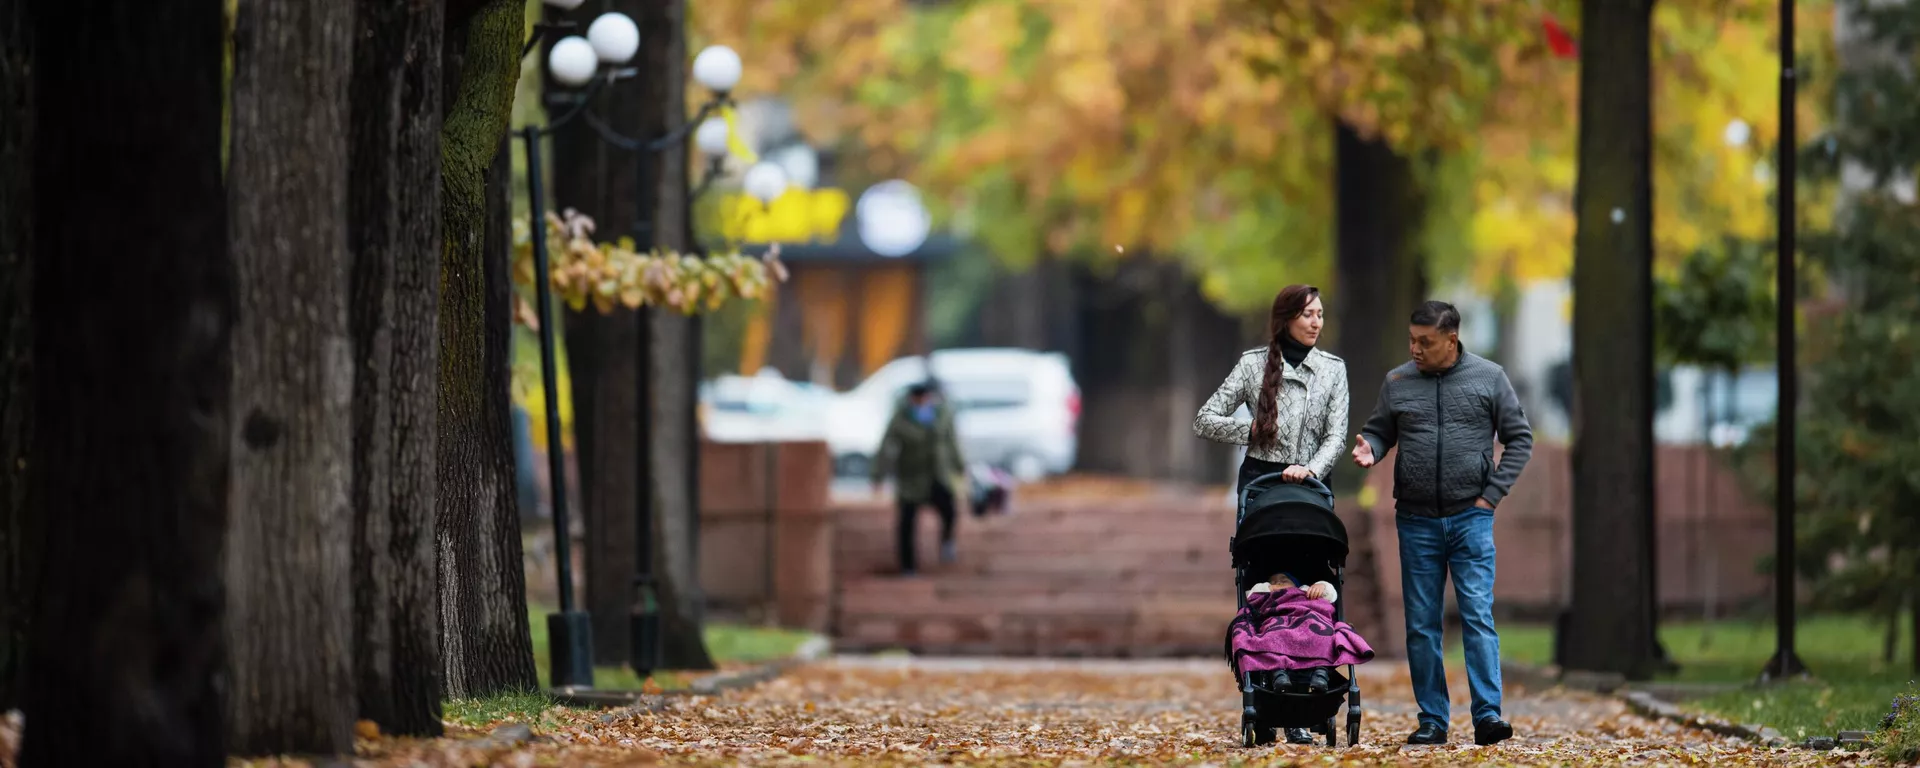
(1785, 662)
(576, 61)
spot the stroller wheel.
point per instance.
(1353, 733)
(1333, 738)
(1249, 735)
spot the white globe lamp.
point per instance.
(572, 61)
(717, 68)
(614, 37)
(765, 181)
(711, 137)
(893, 222)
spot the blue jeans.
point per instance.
(1430, 548)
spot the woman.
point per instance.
(1298, 393)
(1299, 399)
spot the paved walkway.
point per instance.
(878, 710)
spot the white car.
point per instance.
(1014, 408)
(763, 407)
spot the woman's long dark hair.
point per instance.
(1287, 306)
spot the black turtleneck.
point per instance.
(1293, 351)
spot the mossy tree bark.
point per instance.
(394, 176)
(1611, 626)
(131, 382)
(483, 597)
(289, 561)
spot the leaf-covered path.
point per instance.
(886, 711)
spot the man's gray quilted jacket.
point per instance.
(1445, 425)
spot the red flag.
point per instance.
(1558, 40)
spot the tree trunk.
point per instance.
(131, 382)
(483, 596)
(289, 557)
(603, 351)
(20, 540)
(677, 580)
(394, 226)
(1612, 624)
(1380, 273)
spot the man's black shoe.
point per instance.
(1317, 682)
(1492, 730)
(1299, 736)
(1428, 734)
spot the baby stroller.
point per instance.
(1290, 527)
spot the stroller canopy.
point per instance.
(1290, 523)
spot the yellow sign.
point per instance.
(799, 216)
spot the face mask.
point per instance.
(923, 413)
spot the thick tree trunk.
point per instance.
(289, 614)
(483, 595)
(20, 540)
(1611, 627)
(682, 603)
(1380, 273)
(603, 351)
(1151, 352)
(131, 381)
(394, 304)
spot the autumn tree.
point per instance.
(393, 159)
(131, 381)
(19, 532)
(484, 637)
(289, 553)
(1611, 627)
(1860, 426)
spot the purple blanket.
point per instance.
(1288, 630)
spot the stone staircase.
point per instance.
(1134, 571)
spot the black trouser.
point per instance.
(910, 517)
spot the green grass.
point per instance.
(1852, 690)
(531, 708)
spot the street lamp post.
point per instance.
(593, 61)
(1785, 662)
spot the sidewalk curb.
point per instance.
(1646, 703)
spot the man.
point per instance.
(922, 453)
(1444, 410)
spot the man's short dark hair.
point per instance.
(1436, 314)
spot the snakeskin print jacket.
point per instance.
(1313, 409)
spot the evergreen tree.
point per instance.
(1860, 428)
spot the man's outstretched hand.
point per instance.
(1362, 452)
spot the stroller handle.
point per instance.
(1272, 478)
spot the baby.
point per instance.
(1314, 680)
(1318, 590)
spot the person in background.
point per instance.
(922, 454)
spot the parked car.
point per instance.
(765, 406)
(1015, 409)
(1702, 406)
